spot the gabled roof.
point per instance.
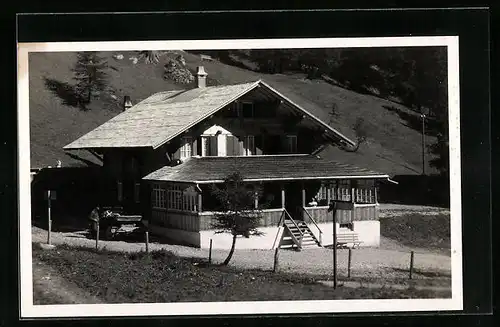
(260, 168)
(163, 116)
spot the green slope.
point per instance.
(392, 147)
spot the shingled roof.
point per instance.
(260, 168)
(165, 115)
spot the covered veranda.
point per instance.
(296, 186)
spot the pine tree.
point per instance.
(236, 214)
(90, 74)
(150, 56)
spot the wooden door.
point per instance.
(293, 200)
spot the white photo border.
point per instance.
(29, 310)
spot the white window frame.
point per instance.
(249, 145)
(186, 150)
(158, 198)
(291, 143)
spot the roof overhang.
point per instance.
(264, 168)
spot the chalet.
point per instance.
(161, 155)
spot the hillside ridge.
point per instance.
(392, 146)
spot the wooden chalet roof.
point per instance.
(260, 168)
(162, 116)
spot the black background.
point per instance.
(472, 27)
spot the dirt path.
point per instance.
(369, 262)
(50, 288)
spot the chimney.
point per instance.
(201, 77)
(126, 102)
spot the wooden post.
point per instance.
(97, 237)
(328, 193)
(349, 264)
(334, 213)
(411, 263)
(282, 196)
(276, 260)
(303, 195)
(353, 198)
(210, 253)
(49, 218)
(200, 209)
(147, 241)
(376, 197)
(256, 200)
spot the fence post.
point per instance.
(147, 241)
(349, 263)
(276, 260)
(411, 263)
(49, 221)
(97, 237)
(210, 253)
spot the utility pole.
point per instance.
(333, 209)
(423, 116)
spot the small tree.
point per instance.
(334, 112)
(90, 74)
(361, 130)
(237, 214)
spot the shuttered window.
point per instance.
(249, 145)
(186, 148)
(137, 192)
(209, 146)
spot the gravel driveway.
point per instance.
(366, 262)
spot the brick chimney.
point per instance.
(201, 77)
(126, 102)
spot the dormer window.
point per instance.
(186, 148)
(291, 141)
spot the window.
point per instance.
(291, 141)
(186, 148)
(137, 192)
(209, 146)
(247, 109)
(341, 190)
(158, 198)
(249, 145)
(119, 191)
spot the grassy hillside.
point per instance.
(393, 146)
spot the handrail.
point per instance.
(315, 224)
(298, 228)
(279, 226)
(293, 236)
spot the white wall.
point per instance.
(368, 232)
(177, 235)
(224, 240)
(221, 138)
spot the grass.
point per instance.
(160, 276)
(416, 230)
(54, 121)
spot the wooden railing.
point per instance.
(315, 224)
(360, 195)
(298, 242)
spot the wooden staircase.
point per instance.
(297, 235)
